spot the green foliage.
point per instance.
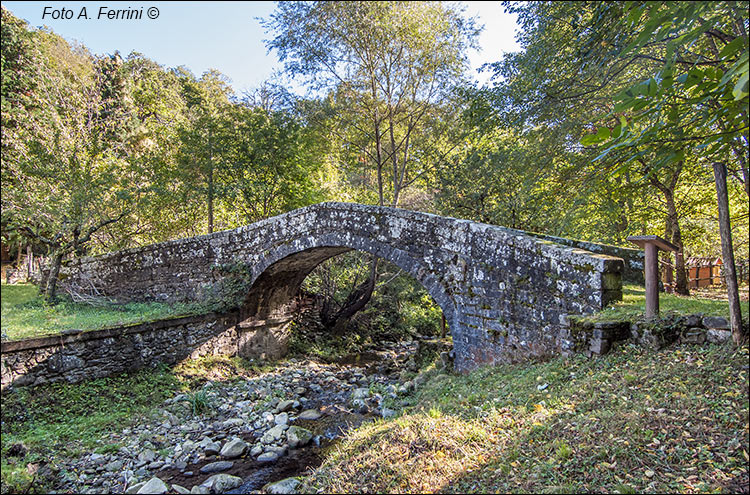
(400, 307)
(199, 402)
(75, 417)
(389, 68)
(558, 93)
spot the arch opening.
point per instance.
(284, 284)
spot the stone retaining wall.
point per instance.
(75, 355)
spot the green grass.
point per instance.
(25, 314)
(630, 422)
(633, 304)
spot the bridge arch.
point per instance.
(278, 275)
(505, 294)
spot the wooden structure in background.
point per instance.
(703, 272)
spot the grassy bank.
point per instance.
(25, 314)
(633, 304)
(632, 421)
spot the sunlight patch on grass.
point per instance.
(633, 305)
(25, 314)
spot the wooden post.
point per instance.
(652, 280)
(651, 244)
(442, 325)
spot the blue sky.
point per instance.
(222, 35)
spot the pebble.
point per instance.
(219, 483)
(154, 485)
(281, 419)
(310, 414)
(285, 486)
(268, 457)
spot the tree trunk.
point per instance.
(210, 187)
(44, 274)
(681, 285)
(29, 262)
(355, 301)
(51, 292)
(668, 188)
(730, 274)
(666, 257)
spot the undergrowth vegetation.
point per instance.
(399, 309)
(633, 421)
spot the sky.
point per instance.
(226, 36)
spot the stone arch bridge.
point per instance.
(504, 294)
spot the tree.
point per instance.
(696, 95)
(391, 65)
(563, 84)
(270, 164)
(64, 181)
(201, 151)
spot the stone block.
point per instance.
(693, 335)
(716, 322)
(600, 346)
(718, 336)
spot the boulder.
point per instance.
(298, 436)
(281, 419)
(718, 336)
(274, 434)
(234, 448)
(310, 414)
(693, 336)
(716, 322)
(285, 486)
(219, 483)
(285, 405)
(266, 457)
(135, 487)
(215, 467)
(209, 446)
(113, 466)
(154, 485)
